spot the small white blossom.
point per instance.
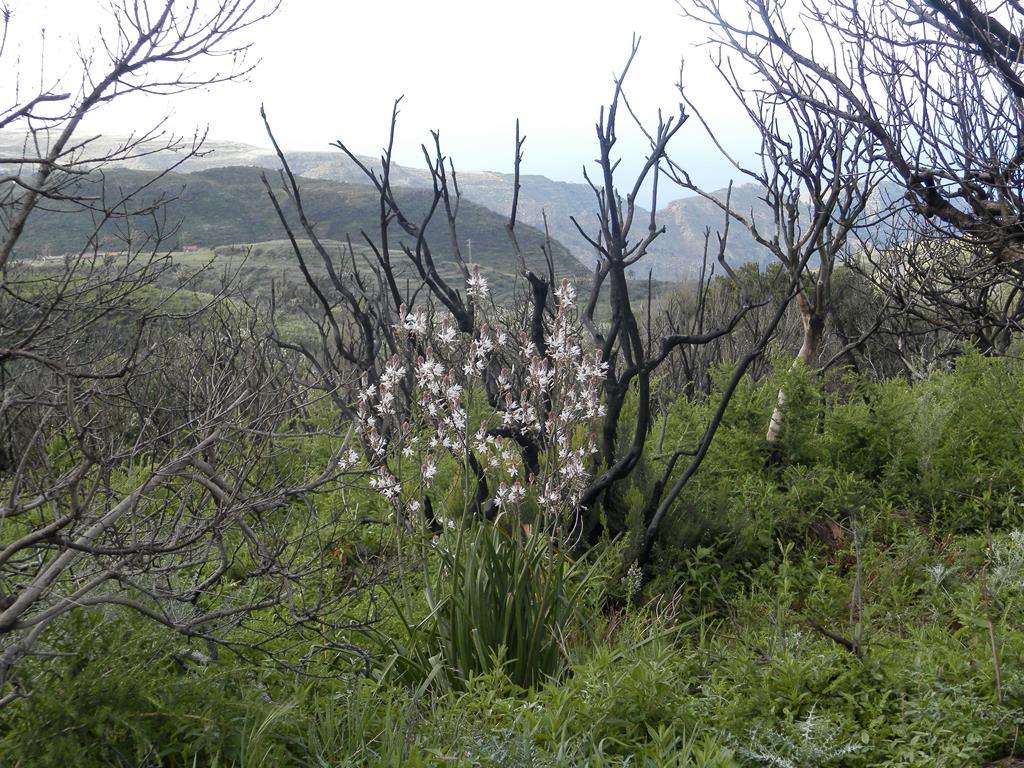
(429, 469)
(447, 336)
(476, 285)
(348, 459)
(415, 322)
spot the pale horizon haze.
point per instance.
(332, 70)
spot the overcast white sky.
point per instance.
(330, 69)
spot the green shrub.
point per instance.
(497, 599)
(121, 697)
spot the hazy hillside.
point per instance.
(675, 255)
(680, 251)
(229, 205)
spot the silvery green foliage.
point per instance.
(939, 573)
(1006, 564)
(811, 742)
(504, 748)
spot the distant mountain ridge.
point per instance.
(675, 255)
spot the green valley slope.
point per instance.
(223, 206)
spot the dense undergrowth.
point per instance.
(857, 603)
